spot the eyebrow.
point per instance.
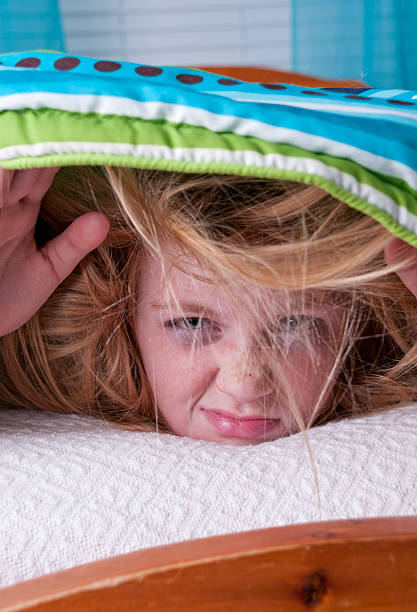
(186, 306)
(201, 309)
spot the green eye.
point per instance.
(293, 323)
(301, 323)
(290, 323)
(186, 324)
(191, 329)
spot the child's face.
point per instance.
(218, 394)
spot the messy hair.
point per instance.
(78, 353)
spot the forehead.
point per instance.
(164, 283)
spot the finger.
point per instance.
(32, 184)
(22, 185)
(64, 252)
(6, 179)
(43, 183)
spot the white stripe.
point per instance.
(224, 156)
(178, 113)
(9, 68)
(386, 93)
(358, 109)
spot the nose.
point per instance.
(243, 376)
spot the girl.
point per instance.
(225, 308)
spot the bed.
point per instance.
(98, 518)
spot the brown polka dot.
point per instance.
(104, 66)
(189, 79)
(273, 85)
(359, 97)
(29, 62)
(403, 102)
(66, 63)
(314, 93)
(148, 71)
(228, 82)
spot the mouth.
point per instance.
(246, 427)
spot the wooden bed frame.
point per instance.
(366, 564)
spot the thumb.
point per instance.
(395, 252)
(64, 252)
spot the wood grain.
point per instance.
(367, 564)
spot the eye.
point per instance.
(305, 324)
(193, 329)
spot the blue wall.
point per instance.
(30, 24)
(371, 40)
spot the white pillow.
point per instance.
(75, 490)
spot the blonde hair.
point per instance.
(78, 353)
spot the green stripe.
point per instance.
(47, 125)
(33, 126)
(34, 51)
(215, 167)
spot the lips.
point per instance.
(248, 427)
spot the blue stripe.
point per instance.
(209, 80)
(386, 137)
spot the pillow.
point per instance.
(76, 490)
(356, 143)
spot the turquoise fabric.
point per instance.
(25, 24)
(370, 40)
(359, 144)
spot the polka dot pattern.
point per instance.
(351, 90)
(189, 79)
(273, 86)
(228, 82)
(29, 62)
(359, 97)
(148, 71)
(104, 66)
(314, 93)
(402, 102)
(67, 63)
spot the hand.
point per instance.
(395, 252)
(28, 275)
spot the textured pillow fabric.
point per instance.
(75, 490)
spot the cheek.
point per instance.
(162, 365)
(163, 370)
(178, 390)
(307, 376)
(177, 383)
